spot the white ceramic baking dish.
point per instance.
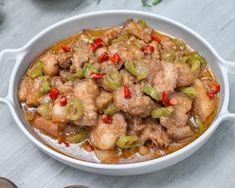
(24, 56)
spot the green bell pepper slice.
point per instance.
(77, 75)
(142, 22)
(36, 70)
(113, 80)
(151, 91)
(44, 85)
(74, 109)
(77, 138)
(190, 91)
(110, 110)
(127, 141)
(88, 69)
(196, 60)
(138, 70)
(160, 112)
(44, 110)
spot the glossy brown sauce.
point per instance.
(84, 151)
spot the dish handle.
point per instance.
(229, 67)
(6, 56)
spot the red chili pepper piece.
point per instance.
(104, 57)
(107, 119)
(54, 93)
(151, 48)
(99, 42)
(215, 88)
(172, 101)
(165, 95)
(96, 76)
(148, 49)
(66, 48)
(127, 92)
(115, 58)
(63, 101)
(93, 46)
(66, 144)
(211, 95)
(155, 37)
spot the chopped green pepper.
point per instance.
(44, 110)
(190, 91)
(142, 22)
(36, 70)
(127, 141)
(90, 40)
(110, 110)
(196, 124)
(200, 126)
(195, 65)
(113, 80)
(44, 85)
(77, 75)
(195, 60)
(181, 44)
(74, 109)
(159, 112)
(170, 57)
(136, 43)
(151, 91)
(77, 138)
(183, 59)
(88, 69)
(202, 60)
(138, 70)
(122, 38)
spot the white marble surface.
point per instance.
(212, 166)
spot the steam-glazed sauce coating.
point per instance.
(122, 94)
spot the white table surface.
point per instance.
(212, 166)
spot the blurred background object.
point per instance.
(5, 183)
(1, 11)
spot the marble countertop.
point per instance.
(211, 166)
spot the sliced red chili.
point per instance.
(165, 95)
(107, 119)
(66, 48)
(99, 42)
(155, 37)
(96, 76)
(211, 95)
(215, 88)
(104, 57)
(172, 101)
(115, 58)
(93, 46)
(54, 93)
(66, 143)
(148, 49)
(63, 101)
(127, 92)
